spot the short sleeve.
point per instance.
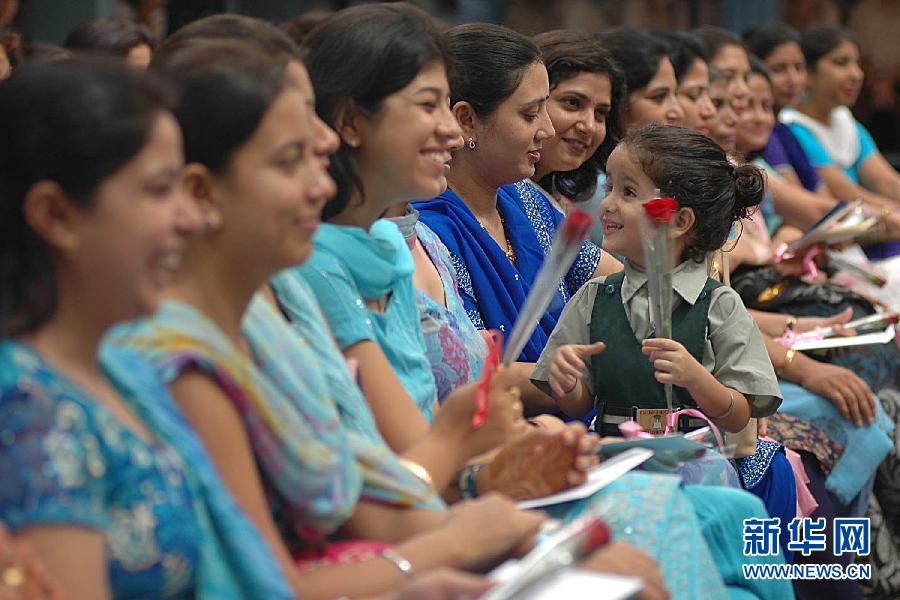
(799, 161)
(816, 153)
(867, 145)
(573, 327)
(52, 462)
(584, 266)
(337, 295)
(775, 154)
(741, 360)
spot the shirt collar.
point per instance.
(688, 280)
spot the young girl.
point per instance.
(717, 361)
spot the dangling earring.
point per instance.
(471, 143)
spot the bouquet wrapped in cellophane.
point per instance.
(659, 262)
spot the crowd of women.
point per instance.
(247, 298)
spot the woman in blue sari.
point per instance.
(497, 225)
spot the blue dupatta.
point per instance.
(493, 289)
(235, 562)
(864, 447)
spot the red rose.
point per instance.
(660, 210)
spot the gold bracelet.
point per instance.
(788, 359)
(417, 470)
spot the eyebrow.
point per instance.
(166, 171)
(430, 88)
(584, 96)
(289, 145)
(629, 179)
(535, 101)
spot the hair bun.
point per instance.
(749, 188)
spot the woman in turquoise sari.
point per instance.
(93, 222)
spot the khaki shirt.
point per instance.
(734, 351)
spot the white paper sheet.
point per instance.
(879, 337)
(598, 477)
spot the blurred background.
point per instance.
(876, 24)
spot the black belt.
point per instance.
(607, 422)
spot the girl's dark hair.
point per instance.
(693, 169)
(360, 56)
(819, 40)
(716, 38)
(109, 35)
(302, 25)
(37, 52)
(224, 87)
(637, 53)
(684, 49)
(761, 39)
(74, 122)
(490, 62)
(759, 67)
(567, 54)
(265, 36)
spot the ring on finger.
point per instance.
(12, 577)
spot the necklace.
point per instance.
(510, 253)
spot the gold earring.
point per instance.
(213, 220)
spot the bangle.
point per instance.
(398, 561)
(468, 486)
(728, 410)
(417, 470)
(788, 359)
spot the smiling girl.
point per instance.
(649, 76)
(587, 93)
(836, 143)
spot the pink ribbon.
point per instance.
(791, 337)
(672, 418)
(808, 261)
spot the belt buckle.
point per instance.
(653, 420)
